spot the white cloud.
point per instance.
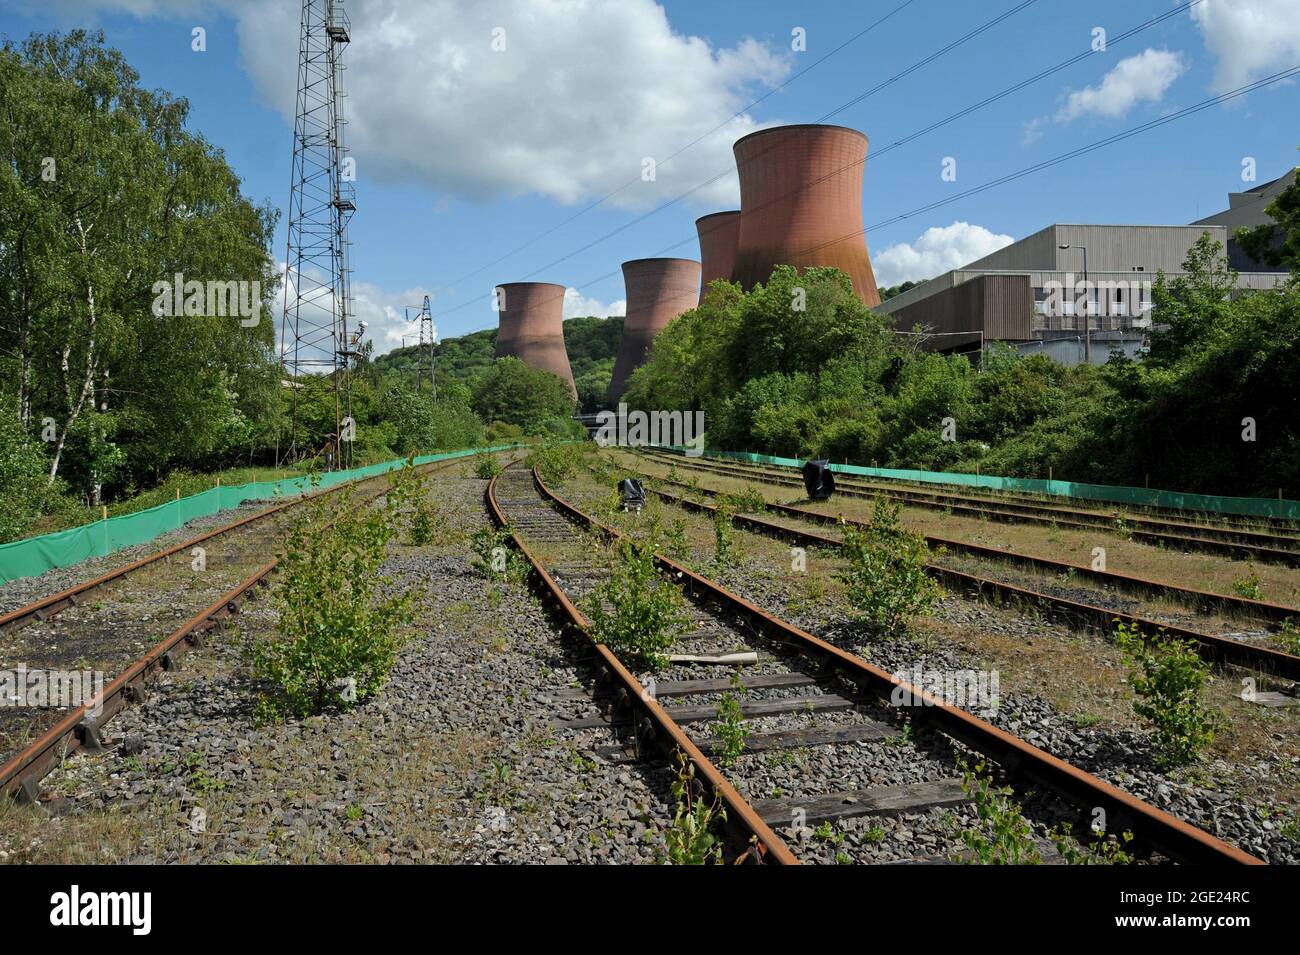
(1249, 38)
(384, 312)
(939, 249)
(583, 92)
(1137, 79)
(576, 304)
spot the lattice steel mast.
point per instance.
(315, 349)
(424, 351)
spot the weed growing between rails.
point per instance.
(486, 466)
(340, 617)
(492, 555)
(646, 613)
(692, 839)
(556, 461)
(425, 524)
(731, 729)
(1007, 838)
(1169, 680)
(885, 578)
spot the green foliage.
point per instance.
(730, 727)
(724, 513)
(691, 838)
(486, 465)
(519, 394)
(646, 613)
(1247, 586)
(1009, 837)
(23, 472)
(848, 390)
(558, 461)
(493, 555)
(1168, 678)
(885, 578)
(1102, 850)
(340, 616)
(1276, 243)
(1288, 637)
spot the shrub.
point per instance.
(732, 730)
(493, 555)
(1288, 637)
(1247, 586)
(646, 612)
(1009, 838)
(340, 617)
(556, 461)
(885, 578)
(723, 533)
(691, 839)
(1168, 678)
(486, 466)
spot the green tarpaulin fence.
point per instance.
(36, 555)
(1140, 496)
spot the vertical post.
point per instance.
(104, 515)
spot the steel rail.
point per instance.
(82, 728)
(1150, 826)
(46, 607)
(935, 501)
(1203, 600)
(1210, 646)
(654, 723)
(1229, 525)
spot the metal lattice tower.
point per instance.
(316, 351)
(424, 351)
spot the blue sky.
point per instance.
(465, 153)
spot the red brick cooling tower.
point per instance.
(658, 290)
(801, 204)
(718, 234)
(531, 327)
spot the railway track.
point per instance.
(1218, 649)
(838, 697)
(1266, 546)
(110, 624)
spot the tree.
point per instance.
(1277, 243)
(519, 394)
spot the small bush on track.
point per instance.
(885, 578)
(1008, 839)
(340, 617)
(646, 613)
(691, 839)
(1168, 679)
(486, 466)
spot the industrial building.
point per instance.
(801, 204)
(1034, 293)
(531, 327)
(658, 290)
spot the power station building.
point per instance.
(801, 204)
(1034, 293)
(531, 327)
(658, 290)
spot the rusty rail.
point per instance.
(1150, 826)
(653, 722)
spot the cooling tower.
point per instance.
(658, 290)
(532, 327)
(718, 233)
(801, 204)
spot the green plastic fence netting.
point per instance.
(1139, 496)
(36, 555)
